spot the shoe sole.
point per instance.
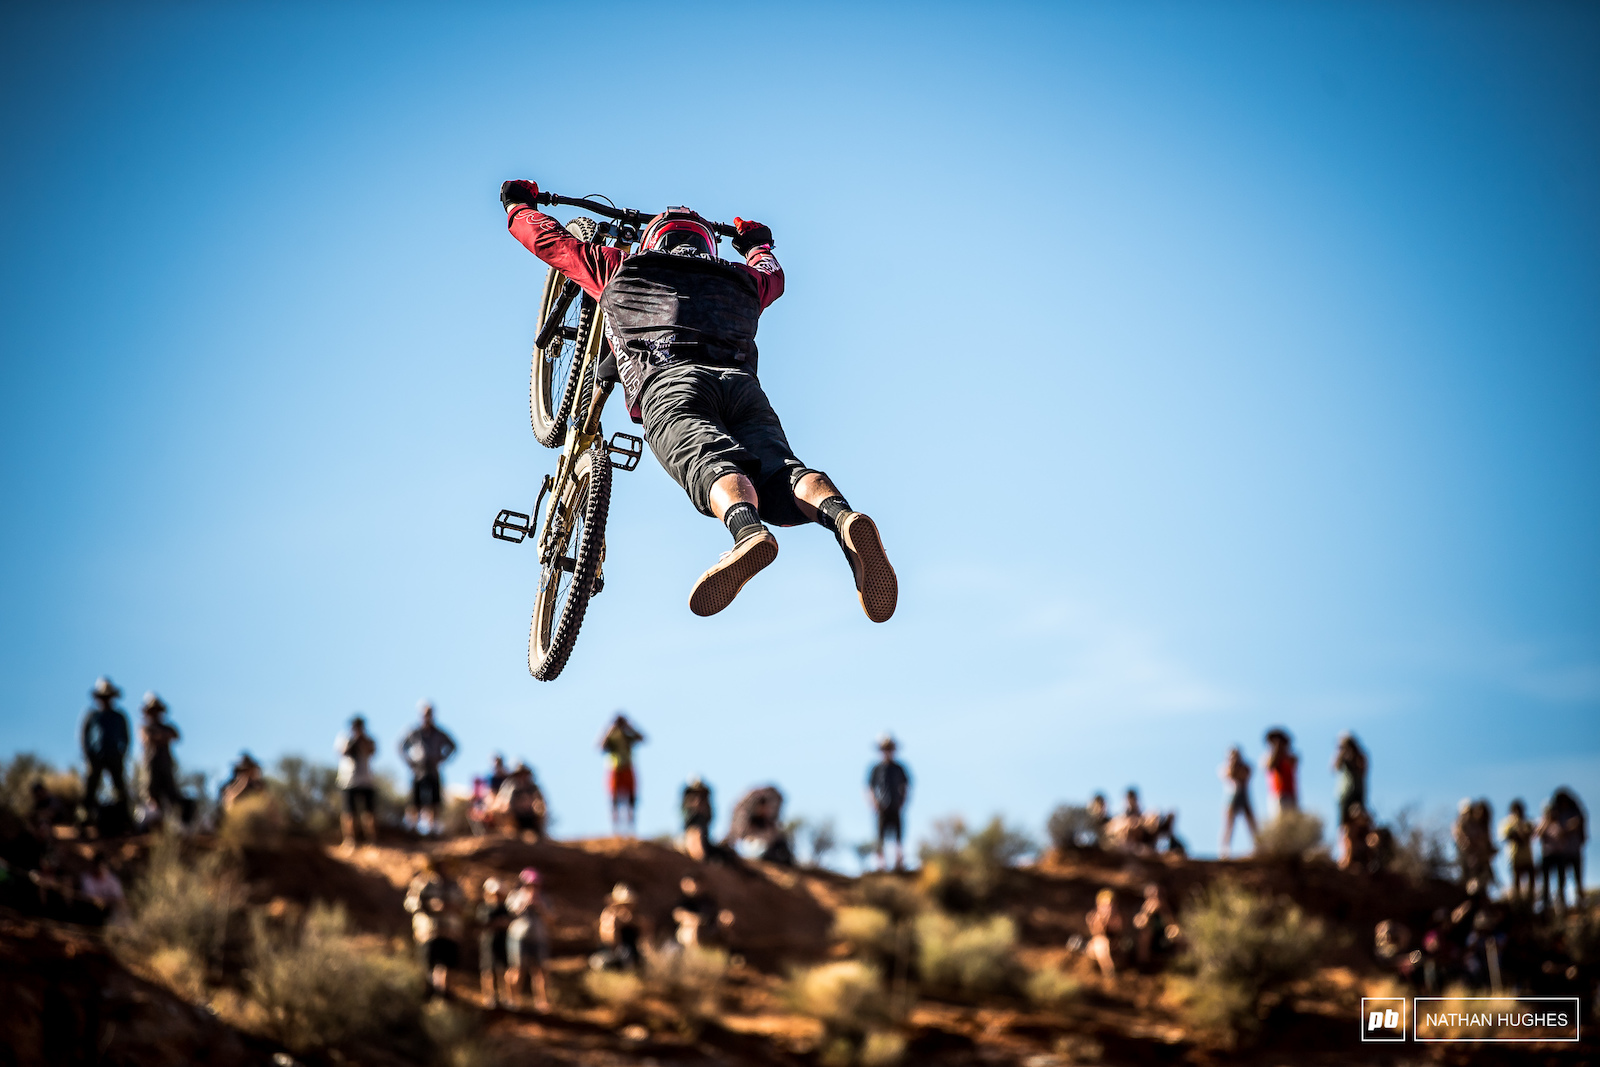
(876, 583)
(718, 586)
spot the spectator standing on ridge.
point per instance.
(244, 778)
(758, 819)
(1562, 832)
(527, 940)
(356, 748)
(424, 749)
(1236, 773)
(435, 906)
(522, 802)
(156, 738)
(1282, 766)
(618, 743)
(498, 773)
(888, 785)
(494, 919)
(105, 752)
(1099, 815)
(695, 806)
(1474, 841)
(1131, 811)
(1350, 762)
(1517, 832)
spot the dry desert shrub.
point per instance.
(1072, 828)
(1051, 988)
(1241, 950)
(180, 910)
(257, 821)
(849, 1000)
(622, 991)
(18, 774)
(688, 978)
(961, 869)
(308, 794)
(1290, 835)
(1421, 848)
(868, 931)
(882, 1048)
(971, 957)
(456, 1035)
(321, 985)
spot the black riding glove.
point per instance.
(519, 192)
(750, 235)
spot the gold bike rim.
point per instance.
(553, 372)
(552, 600)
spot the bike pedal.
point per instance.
(630, 450)
(509, 523)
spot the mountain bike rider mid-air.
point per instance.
(681, 323)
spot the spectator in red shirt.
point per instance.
(1281, 765)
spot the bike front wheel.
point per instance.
(574, 540)
(553, 378)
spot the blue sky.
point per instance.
(1205, 368)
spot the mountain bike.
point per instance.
(565, 400)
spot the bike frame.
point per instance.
(582, 434)
(582, 438)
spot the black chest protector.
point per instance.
(663, 309)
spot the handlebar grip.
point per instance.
(552, 199)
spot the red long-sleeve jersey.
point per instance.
(591, 266)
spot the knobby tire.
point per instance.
(556, 367)
(559, 608)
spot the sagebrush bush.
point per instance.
(1421, 849)
(455, 1034)
(847, 997)
(689, 978)
(1072, 827)
(322, 985)
(961, 869)
(308, 793)
(896, 897)
(883, 936)
(619, 990)
(849, 1000)
(181, 905)
(882, 1048)
(1290, 834)
(256, 821)
(1050, 987)
(1239, 948)
(868, 931)
(18, 774)
(970, 957)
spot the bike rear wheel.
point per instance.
(556, 366)
(576, 537)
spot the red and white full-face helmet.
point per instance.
(680, 231)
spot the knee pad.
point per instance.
(796, 473)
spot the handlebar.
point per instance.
(621, 214)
